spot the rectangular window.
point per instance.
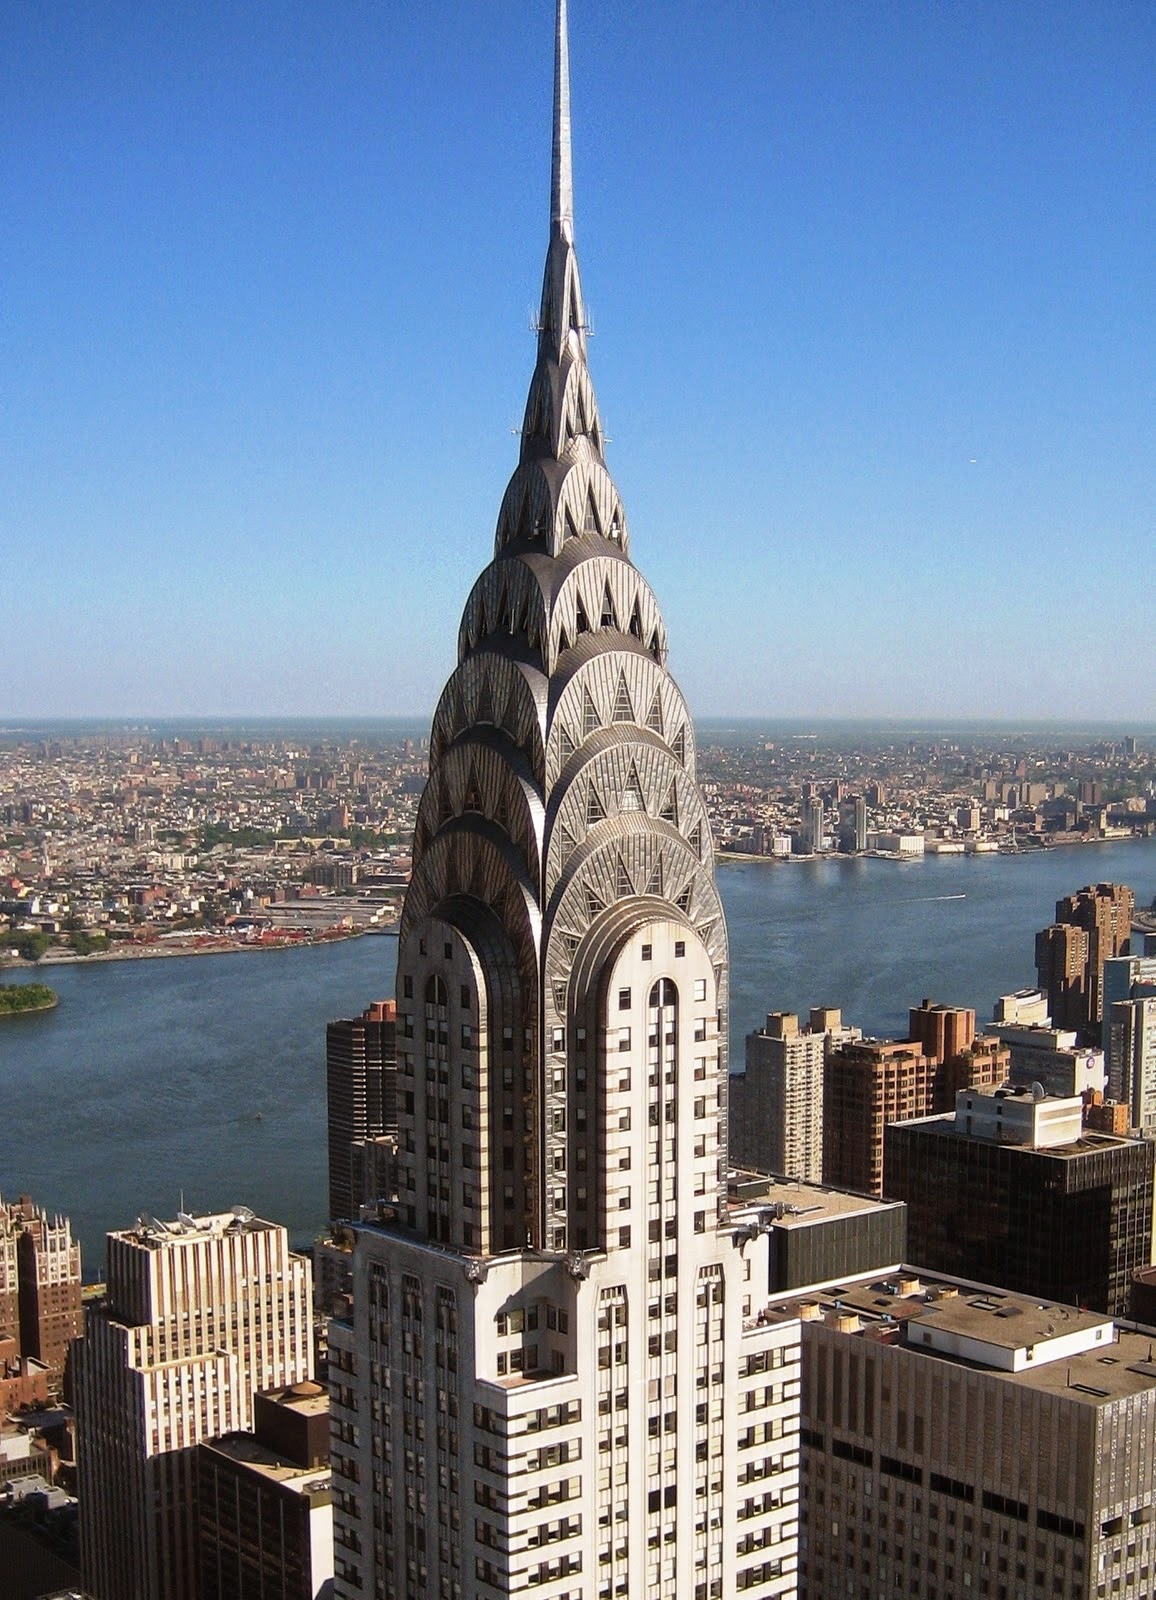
(624, 1038)
(680, 947)
(647, 952)
(700, 988)
(624, 999)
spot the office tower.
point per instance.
(40, 1284)
(866, 1085)
(1132, 1049)
(1071, 969)
(962, 1442)
(265, 1503)
(816, 1234)
(1052, 1057)
(1011, 1189)
(199, 1314)
(361, 1098)
(551, 1379)
(776, 1108)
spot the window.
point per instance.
(647, 952)
(407, 988)
(624, 999)
(700, 988)
(680, 947)
(624, 1038)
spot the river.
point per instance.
(202, 1080)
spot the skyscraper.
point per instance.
(361, 1097)
(1071, 968)
(551, 1374)
(198, 1315)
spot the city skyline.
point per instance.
(895, 355)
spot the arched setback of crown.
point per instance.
(545, 607)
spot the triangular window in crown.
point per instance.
(445, 809)
(669, 812)
(581, 620)
(590, 718)
(594, 904)
(655, 646)
(609, 615)
(473, 797)
(695, 840)
(563, 639)
(571, 530)
(501, 811)
(595, 810)
(704, 931)
(654, 886)
(571, 941)
(485, 711)
(632, 797)
(622, 883)
(682, 900)
(504, 621)
(566, 746)
(679, 745)
(623, 709)
(654, 715)
(565, 838)
(591, 523)
(560, 998)
(481, 626)
(636, 619)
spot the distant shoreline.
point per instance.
(723, 856)
(155, 953)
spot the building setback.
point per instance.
(1066, 1215)
(970, 1444)
(1071, 967)
(199, 1314)
(551, 1379)
(265, 1502)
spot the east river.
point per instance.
(200, 1081)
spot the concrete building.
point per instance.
(1132, 1046)
(960, 1442)
(40, 1286)
(199, 1314)
(942, 1031)
(1071, 968)
(866, 1085)
(1024, 1008)
(818, 1234)
(361, 1101)
(1052, 1057)
(812, 839)
(551, 1378)
(1011, 1190)
(265, 1505)
(776, 1122)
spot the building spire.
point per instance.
(562, 180)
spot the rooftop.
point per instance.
(153, 1234)
(269, 1464)
(1058, 1349)
(794, 1203)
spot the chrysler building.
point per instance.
(554, 1379)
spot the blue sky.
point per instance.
(873, 293)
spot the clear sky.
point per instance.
(873, 294)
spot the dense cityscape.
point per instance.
(597, 1311)
(124, 843)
